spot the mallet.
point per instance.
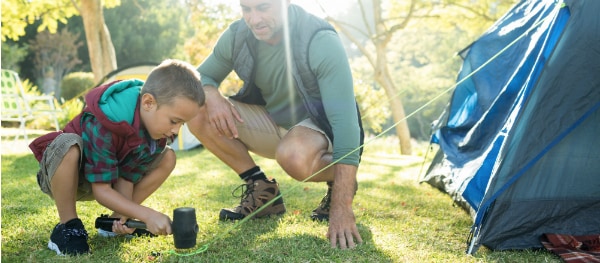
(184, 226)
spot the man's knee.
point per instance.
(199, 126)
(169, 159)
(294, 161)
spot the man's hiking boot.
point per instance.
(69, 238)
(321, 213)
(256, 194)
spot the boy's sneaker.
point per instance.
(321, 213)
(136, 233)
(256, 194)
(69, 238)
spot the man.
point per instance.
(305, 118)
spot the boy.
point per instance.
(115, 151)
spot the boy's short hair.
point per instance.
(174, 78)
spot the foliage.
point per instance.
(17, 14)
(55, 55)
(39, 123)
(67, 110)
(421, 57)
(399, 219)
(209, 20)
(155, 30)
(48, 13)
(421, 54)
(372, 100)
(12, 55)
(75, 84)
(70, 109)
(425, 66)
(426, 63)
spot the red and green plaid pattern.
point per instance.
(100, 158)
(574, 249)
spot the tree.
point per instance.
(55, 56)
(100, 47)
(376, 29)
(210, 20)
(155, 30)
(12, 55)
(16, 15)
(369, 96)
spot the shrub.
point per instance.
(12, 55)
(76, 84)
(42, 122)
(70, 109)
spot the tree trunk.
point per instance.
(382, 76)
(398, 115)
(380, 38)
(101, 50)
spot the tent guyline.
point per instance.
(486, 63)
(223, 234)
(518, 142)
(477, 70)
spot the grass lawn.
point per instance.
(399, 219)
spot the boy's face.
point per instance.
(165, 121)
(265, 18)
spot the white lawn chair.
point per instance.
(20, 107)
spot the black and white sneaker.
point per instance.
(69, 238)
(136, 233)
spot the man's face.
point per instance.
(265, 18)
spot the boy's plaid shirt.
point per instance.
(100, 159)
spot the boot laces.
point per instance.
(245, 191)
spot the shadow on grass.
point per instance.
(257, 241)
(396, 216)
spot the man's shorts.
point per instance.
(53, 156)
(259, 132)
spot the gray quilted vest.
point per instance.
(302, 30)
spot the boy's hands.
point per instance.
(120, 228)
(159, 224)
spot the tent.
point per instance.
(185, 140)
(519, 143)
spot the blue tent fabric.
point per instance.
(518, 142)
(479, 102)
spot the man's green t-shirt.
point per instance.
(327, 59)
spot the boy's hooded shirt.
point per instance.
(114, 141)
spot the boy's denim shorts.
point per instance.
(53, 156)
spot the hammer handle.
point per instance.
(108, 221)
